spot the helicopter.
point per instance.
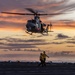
(35, 25)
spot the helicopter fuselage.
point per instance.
(34, 25)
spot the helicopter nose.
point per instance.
(38, 28)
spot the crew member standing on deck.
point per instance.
(44, 57)
(41, 60)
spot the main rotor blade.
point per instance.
(31, 10)
(51, 14)
(39, 14)
(17, 13)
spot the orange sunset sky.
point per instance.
(59, 44)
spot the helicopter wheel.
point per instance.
(30, 33)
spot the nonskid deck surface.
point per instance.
(32, 68)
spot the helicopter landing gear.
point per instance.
(28, 32)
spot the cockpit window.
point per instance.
(33, 21)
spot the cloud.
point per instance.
(17, 55)
(15, 43)
(13, 20)
(14, 46)
(65, 6)
(61, 36)
(10, 40)
(57, 43)
(70, 46)
(27, 50)
(10, 25)
(53, 5)
(72, 39)
(49, 6)
(71, 42)
(62, 54)
(1, 43)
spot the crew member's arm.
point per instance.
(47, 56)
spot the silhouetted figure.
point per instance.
(41, 60)
(44, 57)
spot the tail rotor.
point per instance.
(49, 27)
